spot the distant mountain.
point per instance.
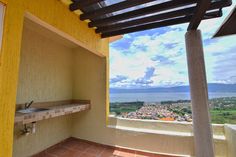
(212, 87)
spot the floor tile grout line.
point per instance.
(101, 152)
(87, 148)
(96, 149)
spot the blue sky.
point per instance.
(157, 57)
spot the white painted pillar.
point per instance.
(203, 140)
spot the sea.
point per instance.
(158, 97)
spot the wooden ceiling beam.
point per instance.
(142, 12)
(221, 4)
(80, 4)
(164, 23)
(145, 20)
(148, 26)
(155, 18)
(202, 6)
(113, 8)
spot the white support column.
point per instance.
(203, 139)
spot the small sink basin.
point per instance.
(31, 110)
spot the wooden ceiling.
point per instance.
(129, 16)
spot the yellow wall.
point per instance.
(52, 12)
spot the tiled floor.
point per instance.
(78, 148)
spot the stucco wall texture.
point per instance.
(45, 75)
(45, 69)
(55, 14)
(230, 133)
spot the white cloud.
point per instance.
(165, 51)
(140, 54)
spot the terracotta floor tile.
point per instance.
(95, 149)
(58, 151)
(116, 152)
(144, 154)
(81, 146)
(109, 152)
(87, 155)
(70, 145)
(71, 153)
(78, 148)
(157, 155)
(126, 153)
(44, 154)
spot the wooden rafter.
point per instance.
(202, 6)
(79, 4)
(145, 20)
(149, 19)
(142, 12)
(113, 8)
(148, 26)
(132, 15)
(159, 24)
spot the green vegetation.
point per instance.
(223, 116)
(119, 108)
(222, 110)
(174, 102)
(181, 111)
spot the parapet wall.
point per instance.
(230, 134)
(146, 135)
(177, 132)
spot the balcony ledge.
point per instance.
(176, 129)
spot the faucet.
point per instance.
(27, 105)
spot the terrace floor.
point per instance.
(79, 148)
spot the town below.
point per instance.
(222, 110)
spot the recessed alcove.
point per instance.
(47, 77)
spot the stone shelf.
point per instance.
(53, 111)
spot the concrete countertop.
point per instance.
(53, 111)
